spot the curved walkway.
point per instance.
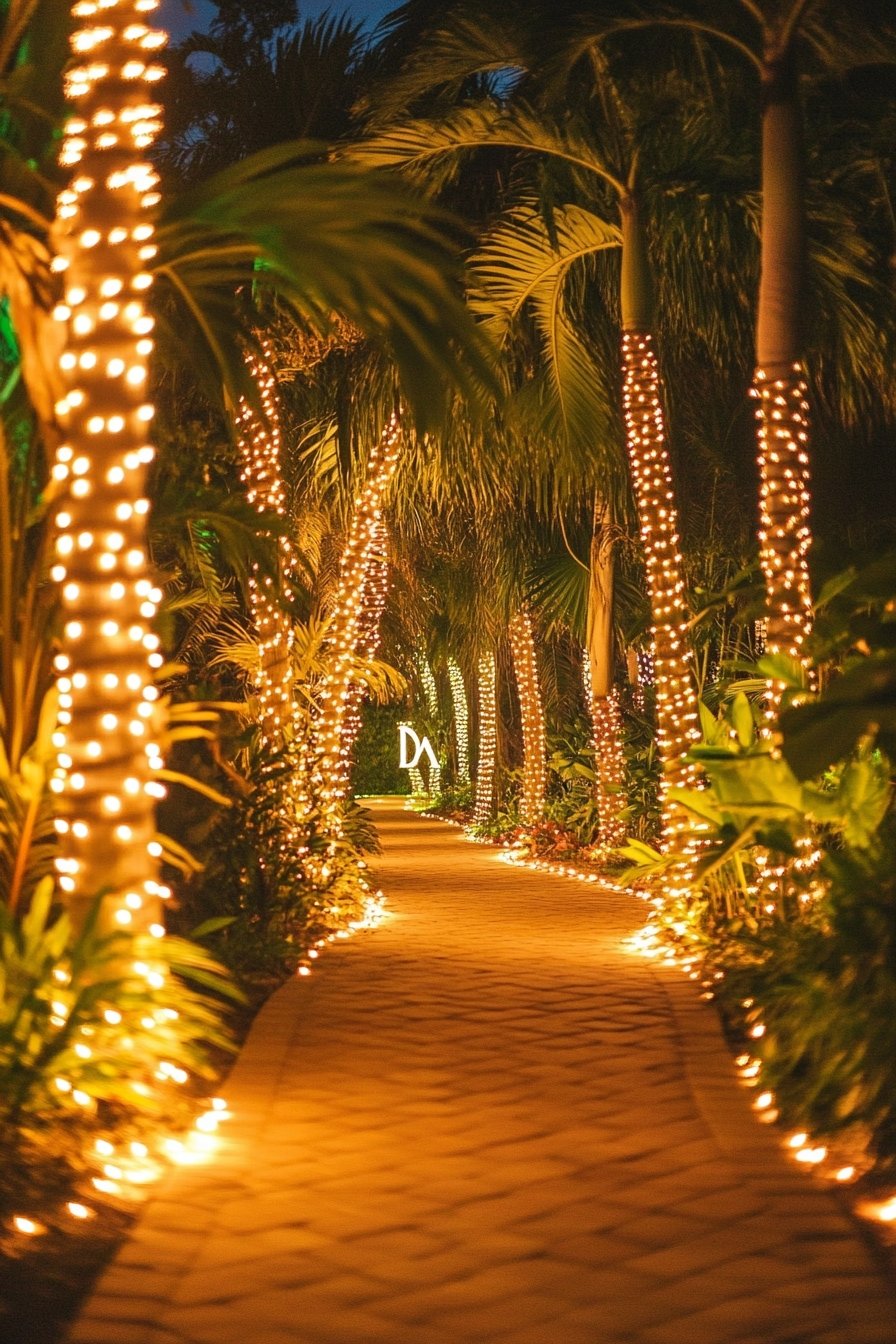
(487, 1121)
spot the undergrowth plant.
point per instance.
(100, 1030)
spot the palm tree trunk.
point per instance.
(603, 701)
(676, 701)
(525, 666)
(109, 718)
(430, 690)
(260, 445)
(330, 772)
(780, 384)
(488, 738)
(376, 591)
(461, 721)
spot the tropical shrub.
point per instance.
(825, 987)
(100, 1029)
(269, 867)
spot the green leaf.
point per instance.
(861, 702)
(741, 714)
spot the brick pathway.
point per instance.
(487, 1121)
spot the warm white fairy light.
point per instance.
(461, 720)
(488, 738)
(609, 761)
(331, 748)
(525, 666)
(259, 439)
(108, 729)
(373, 605)
(431, 694)
(785, 534)
(676, 702)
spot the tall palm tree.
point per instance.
(833, 39)
(109, 717)
(278, 210)
(417, 145)
(486, 686)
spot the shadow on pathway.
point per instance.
(487, 1121)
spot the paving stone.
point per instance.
(488, 1121)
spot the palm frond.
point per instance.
(328, 237)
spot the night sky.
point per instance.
(182, 16)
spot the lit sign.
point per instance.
(421, 747)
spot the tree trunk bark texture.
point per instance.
(259, 441)
(780, 385)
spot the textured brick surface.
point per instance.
(488, 1121)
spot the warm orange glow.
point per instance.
(376, 593)
(259, 438)
(332, 744)
(609, 762)
(525, 665)
(488, 739)
(676, 701)
(107, 734)
(784, 531)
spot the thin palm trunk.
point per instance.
(109, 717)
(376, 592)
(603, 702)
(525, 666)
(780, 384)
(259, 439)
(431, 692)
(488, 738)
(676, 701)
(331, 749)
(461, 720)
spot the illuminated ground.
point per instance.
(486, 1121)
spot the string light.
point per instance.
(332, 746)
(676, 702)
(785, 534)
(609, 761)
(373, 605)
(461, 720)
(418, 786)
(431, 693)
(109, 718)
(525, 666)
(488, 738)
(260, 443)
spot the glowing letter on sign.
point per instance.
(405, 731)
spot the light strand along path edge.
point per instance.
(487, 1120)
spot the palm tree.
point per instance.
(109, 717)
(486, 686)
(510, 271)
(525, 666)
(311, 218)
(834, 39)
(461, 721)
(347, 625)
